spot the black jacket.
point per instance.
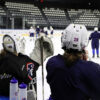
(18, 67)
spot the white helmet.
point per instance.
(75, 37)
(37, 26)
(31, 27)
(96, 29)
(10, 43)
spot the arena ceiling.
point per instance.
(78, 4)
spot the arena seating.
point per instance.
(30, 12)
(56, 17)
(87, 17)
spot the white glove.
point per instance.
(47, 45)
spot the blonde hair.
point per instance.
(71, 58)
(3, 52)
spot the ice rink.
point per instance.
(56, 39)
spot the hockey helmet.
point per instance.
(74, 37)
(96, 29)
(9, 43)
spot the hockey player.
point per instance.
(51, 30)
(31, 32)
(95, 36)
(37, 31)
(22, 67)
(45, 31)
(71, 76)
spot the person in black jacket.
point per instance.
(18, 65)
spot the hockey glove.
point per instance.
(45, 44)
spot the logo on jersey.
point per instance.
(5, 76)
(30, 68)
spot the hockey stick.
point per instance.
(41, 54)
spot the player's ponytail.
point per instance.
(71, 58)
